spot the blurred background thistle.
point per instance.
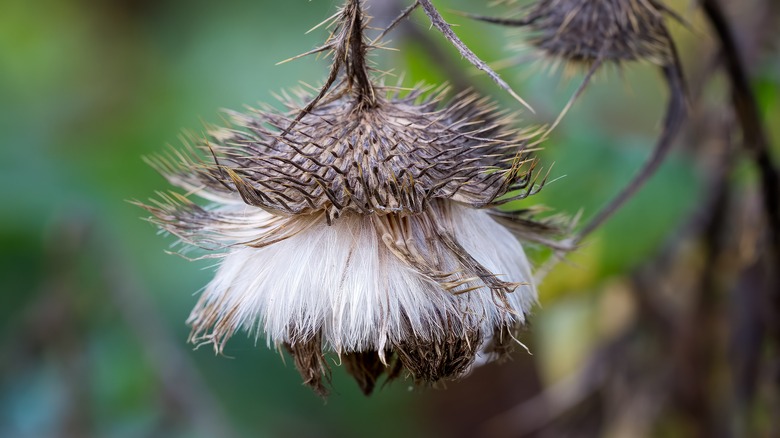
(659, 325)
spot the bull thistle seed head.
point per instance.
(361, 225)
(585, 31)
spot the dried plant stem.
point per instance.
(756, 144)
(755, 137)
(438, 22)
(349, 50)
(613, 42)
(400, 18)
(459, 80)
(675, 114)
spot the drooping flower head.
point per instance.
(587, 31)
(362, 224)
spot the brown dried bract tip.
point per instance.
(310, 362)
(366, 368)
(431, 361)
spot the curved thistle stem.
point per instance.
(756, 143)
(630, 50)
(675, 114)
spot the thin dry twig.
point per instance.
(438, 22)
(343, 40)
(400, 18)
(673, 120)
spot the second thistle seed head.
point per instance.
(589, 30)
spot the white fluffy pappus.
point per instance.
(348, 283)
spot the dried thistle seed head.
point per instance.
(392, 158)
(586, 31)
(359, 226)
(615, 30)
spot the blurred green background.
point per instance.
(92, 310)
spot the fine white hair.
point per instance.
(344, 282)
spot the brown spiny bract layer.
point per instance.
(426, 362)
(391, 158)
(612, 30)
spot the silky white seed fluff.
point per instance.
(343, 281)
